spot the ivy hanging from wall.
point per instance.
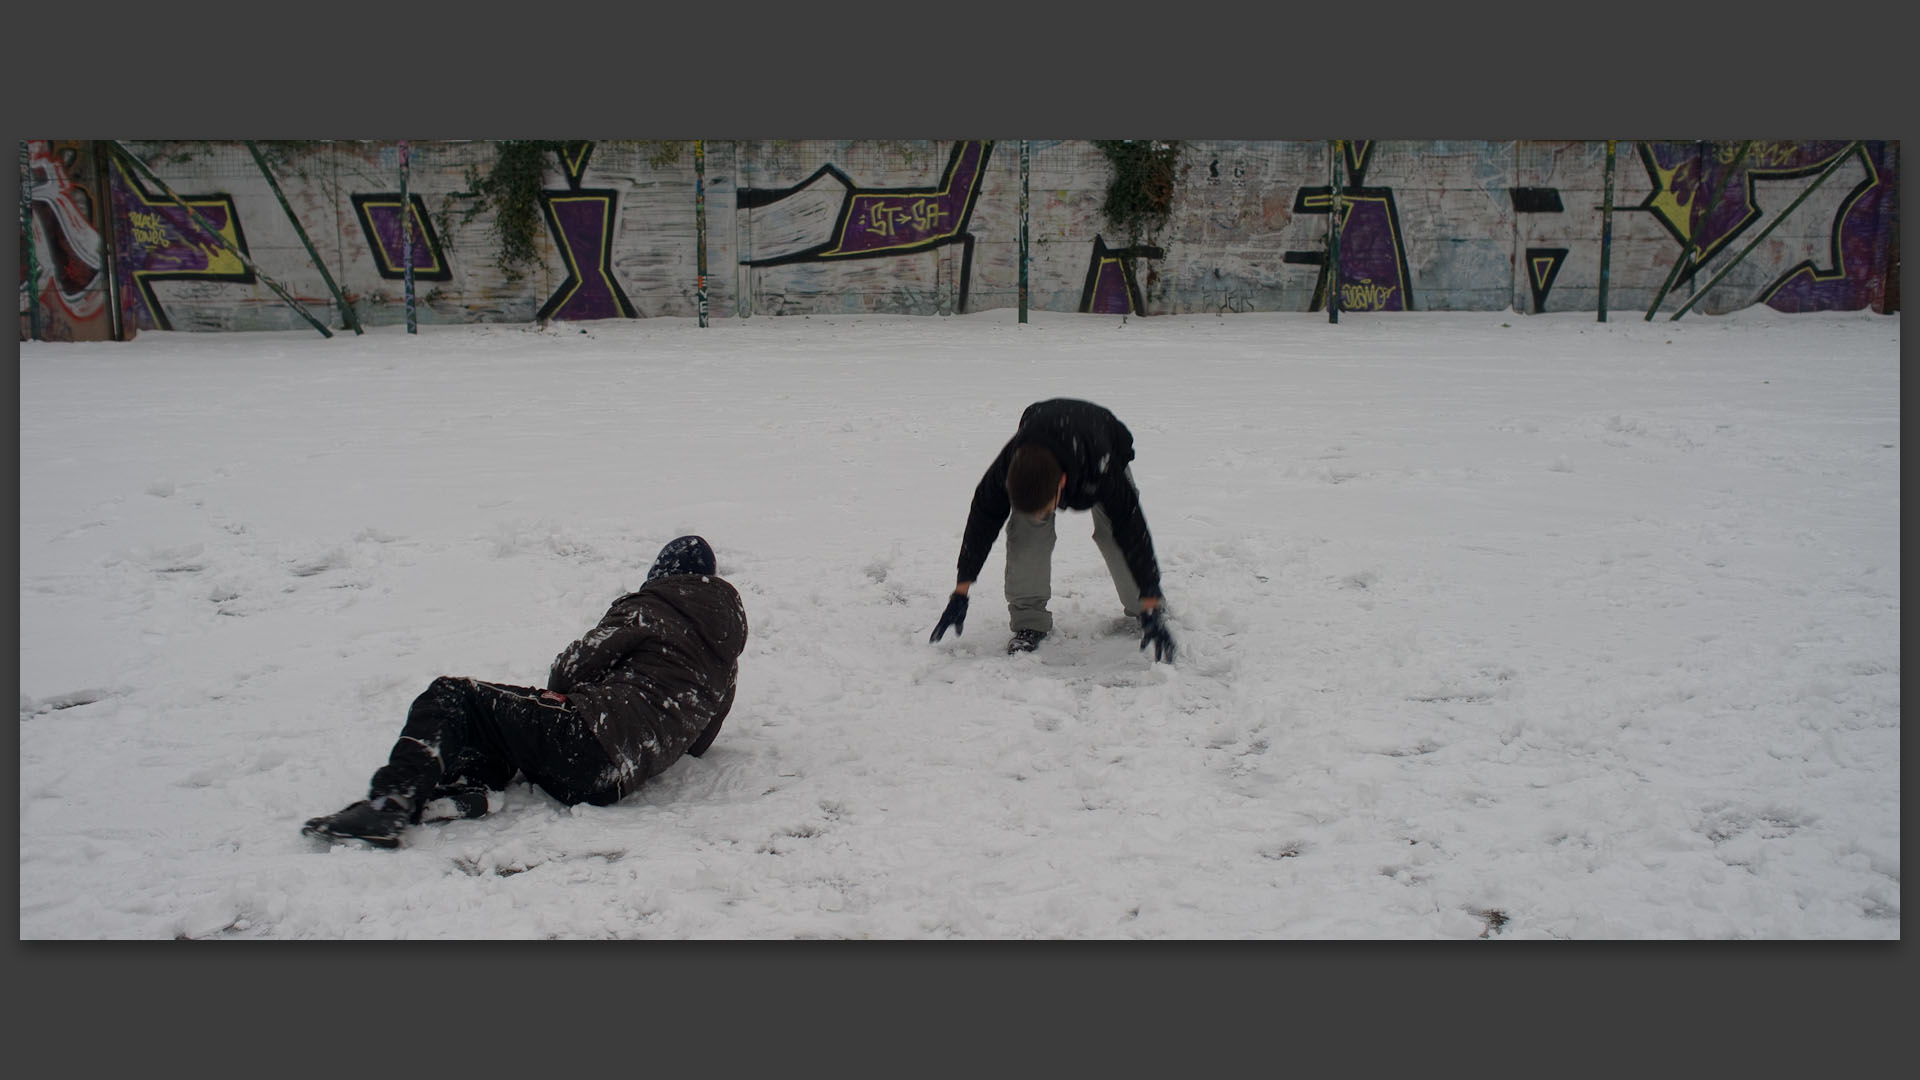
(1140, 195)
(511, 187)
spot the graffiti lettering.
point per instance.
(919, 215)
(1761, 154)
(147, 229)
(1365, 296)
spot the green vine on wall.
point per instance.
(512, 188)
(1140, 195)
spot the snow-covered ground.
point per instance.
(1490, 625)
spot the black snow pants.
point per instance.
(462, 731)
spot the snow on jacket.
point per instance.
(655, 678)
(1093, 448)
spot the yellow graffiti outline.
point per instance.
(1540, 265)
(1393, 230)
(1101, 268)
(1666, 201)
(566, 246)
(1358, 151)
(380, 247)
(217, 256)
(574, 160)
(945, 189)
(1679, 215)
(1840, 220)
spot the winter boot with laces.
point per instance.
(1025, 641)
(378, 825)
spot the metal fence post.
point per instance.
(1023, 230)
(346, 310)
(700, 227)
(26, 240)
(1606, 230)
(1333, 233)
(406, 236)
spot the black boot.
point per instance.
(1025, 641)
(469, 800)
(376, 825)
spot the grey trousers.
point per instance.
(1030, 569)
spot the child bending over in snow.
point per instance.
(1066, 455)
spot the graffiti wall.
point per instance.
(65, 293)
(238, 236)
(613, 236)
(851, 227)
(1799, 226)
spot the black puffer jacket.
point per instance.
(1093, 448)
(656, 677)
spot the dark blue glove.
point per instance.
(955, 616)
(1153, 631)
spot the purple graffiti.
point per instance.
(1706, 192)
(1698, 194)
(161, 238)
(1371, 277)
(1853, 275)
(380, 217)
(1110, 295)
(902, 219)
(1112, 288)
(582, 222)
(159, 241)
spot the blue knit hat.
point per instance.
(683, 555)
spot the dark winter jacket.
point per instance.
(656, 677)
(1093, 448)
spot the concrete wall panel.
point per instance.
(932, 227)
